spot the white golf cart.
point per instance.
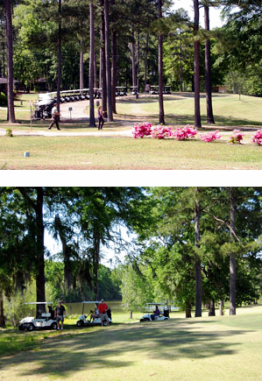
(88, 320)
(150, 315)
(41, 321)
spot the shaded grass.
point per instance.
(202, 349)
(125, 153)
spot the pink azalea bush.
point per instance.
(141, 130)
(257, 138)
(210, 136)
(236, 137)
(161, 132)
(184, 133)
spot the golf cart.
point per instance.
(42, 320)
(167, 90)
(86, 319)
(151, 306)
(154, 90)
(44, 107)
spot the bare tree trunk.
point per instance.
(9, 51)
(81, 66)
(114, 71)
(130, 314)
(95, 70)
(198, 311)
(180, 65)
(2, 316)
(160, 68)
(146, 60)
(197, 65)
(108, 66)
(221, 306)
(138, 61)
(91, 66)
(188, 310)
(210, 117)
(96, 263)
(40, 276)
(133, 51)
(59, 43)
(103, 61)
(212, 310)
(232, 308)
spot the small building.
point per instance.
(219, 89)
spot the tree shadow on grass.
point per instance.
(111, 347)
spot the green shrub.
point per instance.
(9, 133)
(3, 99)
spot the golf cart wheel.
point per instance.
(105, 323)
(21, 327)
(54, 326)
(146, 319)
(80, 323)
(30, 327)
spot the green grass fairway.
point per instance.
(199, 349)
(125, 153)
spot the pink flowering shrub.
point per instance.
(161, 132)
(141, 130)
(257, 138)
(210, 136)
(236, 137)
(184, 133)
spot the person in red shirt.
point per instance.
(102, 308)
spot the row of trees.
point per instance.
(201, 247)
(137, 41)
(84, 219)
(192, 246)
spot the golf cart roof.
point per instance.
(35, 303)
(92, 302)
(122, 87)
(155, 304)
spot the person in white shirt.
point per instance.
(55, 115)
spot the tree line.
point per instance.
(191, 246)
(118, 42)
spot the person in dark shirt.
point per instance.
(155, 313)
(60, 315)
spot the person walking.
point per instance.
(60, 315)
(102, 308)
(55, 115)
(101, 119)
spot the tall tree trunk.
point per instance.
(198, 311)
(9, 51)
(81, 66)
(114, 70)
(138, 61)
(95, 71)
(180, 65)
(91, 66)
(103, 60)
(146, 60)
(133, 52)
(40, 275)
(2, 316)
(108, 65)
(212, 310)
(232, 308)
(96, 263)
(188, 310)
(221, 306)
(197, 65)
(59, 46)
(160, 68)
(210, 117)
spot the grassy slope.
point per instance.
(205, 349)
(125, 153)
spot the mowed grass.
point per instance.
(202, 349)
(179, 109)
(125, 153)
(118, 152)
